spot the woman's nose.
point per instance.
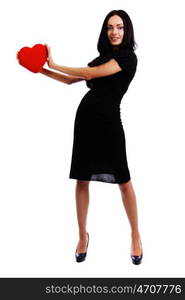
(114, 30)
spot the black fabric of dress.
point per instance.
(99, 147)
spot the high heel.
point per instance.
(81, 256)
(137, 259)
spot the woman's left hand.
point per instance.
(50, 60)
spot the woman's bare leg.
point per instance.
(129, 201)
(82, 204)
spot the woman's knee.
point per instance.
(124, 187)
(82, 183)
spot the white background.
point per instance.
(38, 222)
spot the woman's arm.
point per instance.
(60, 77)
(109, 68)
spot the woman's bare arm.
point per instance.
(109, 68)
(87, 73)
(60, 77)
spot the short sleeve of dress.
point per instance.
(127, 60)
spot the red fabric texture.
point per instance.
(33, 58)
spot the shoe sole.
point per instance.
(136, 263)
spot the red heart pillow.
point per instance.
(33, 58)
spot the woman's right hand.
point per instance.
(50, 60)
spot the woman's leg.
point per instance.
(129, 201)
(82, 204)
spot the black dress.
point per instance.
(99, 148)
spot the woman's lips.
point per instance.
(114, 39)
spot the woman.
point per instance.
(99, 151)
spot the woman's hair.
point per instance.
(104, 46)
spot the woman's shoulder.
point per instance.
(126, 56)
(125, 52)
(99, 60)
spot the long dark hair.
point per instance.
(104, 46)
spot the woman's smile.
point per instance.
(115, 38)
(115, 30)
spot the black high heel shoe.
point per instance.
(137, 259)
(81, 256)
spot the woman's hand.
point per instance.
(50, 60)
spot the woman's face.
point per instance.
(115, 30)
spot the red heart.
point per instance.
(33, 58)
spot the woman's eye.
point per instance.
(120, 28)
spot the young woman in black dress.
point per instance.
(99, 151)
